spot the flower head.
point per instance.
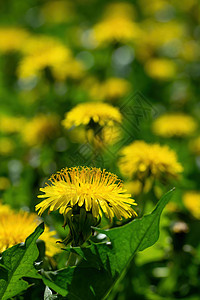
(95, 190)
(99, 113)
(16, 227)
(12, 39)
(142, 160)
(42, 52)
(191, 200)
(105, 31)
(174, 125)
(11, 124)
(81, 194)
(161, 68)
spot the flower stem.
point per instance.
(71, 260)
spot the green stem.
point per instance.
(71, 260)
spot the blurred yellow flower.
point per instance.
(92, 113)
(114, 88)
(110, 89)
(174, 125)
(41, 52)
(141, 160)
(115, 29)
(191, 200)
(124, 9)
(195, 146)
(94, 190)
(190, 50)
(11, 124)
(16, 227)
(155, 35)
(7, 146)
(72, 68)
(40, 129)
(4, 183)
(161, 68)
(12, 39)
(58, 11)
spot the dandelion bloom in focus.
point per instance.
(191, 200)
(141, 160)
(40, 129)
(174, 125)
(16, 227)
(81, 194)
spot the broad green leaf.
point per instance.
(103, 264)
(17, 262)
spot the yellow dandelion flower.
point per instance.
(12, 39)
(125, 9)
(81, 194)
(40, 129)
(99, 113)
(191, 200)
(155, 35)
(114, 88)
(91, 188)
(174, 125)
(161, 68)
(11, 124)
(142, 160)
(41, 52)
(7, 146)
(16, 227)
(195, 146)
(105, 32)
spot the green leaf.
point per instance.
(17, 262)
(103, 264)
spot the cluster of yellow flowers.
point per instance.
(15, 227)
(12, 39)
